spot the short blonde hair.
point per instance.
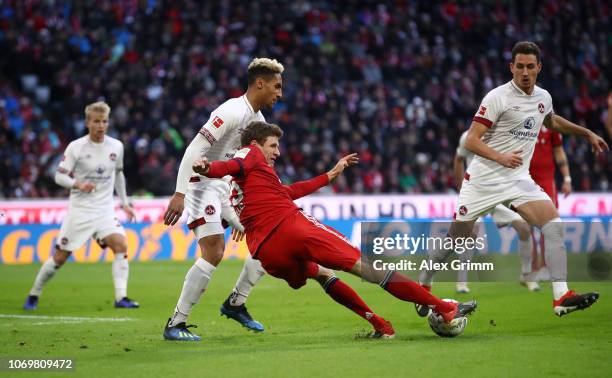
(97, 107)
(263, 67)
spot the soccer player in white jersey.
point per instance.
(502, 216)
(91, 167)
(208, 203)
(503, 136)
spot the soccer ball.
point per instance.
(437, 324)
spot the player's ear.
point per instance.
(253, 143)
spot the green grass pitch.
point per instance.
(513, 332)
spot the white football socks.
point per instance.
(525, 248)
(556, 256)
(121, 271)
(252, 272)
(196, 281)
(46, 272)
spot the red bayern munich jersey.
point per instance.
(542, 168)
(259, 197)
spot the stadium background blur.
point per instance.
(396, 81)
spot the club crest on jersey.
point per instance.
(64, 241)
(463, 210)
(541, 108)
(217, 122)
(210, 210)
(529, 123)
(482, 111)
(112, 156)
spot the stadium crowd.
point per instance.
(396, 81)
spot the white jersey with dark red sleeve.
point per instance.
(96, 163)
(222, 130)
(514, 119)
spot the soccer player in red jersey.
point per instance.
(548, 151)
(294, 246)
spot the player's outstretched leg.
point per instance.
(565, 300)
(346, 296)
(426, 276)
(234, 306)
(46, 272)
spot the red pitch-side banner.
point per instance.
(325, 207)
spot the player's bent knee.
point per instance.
(60, 256)
(522, 229)
(554, 228)
(212, 248)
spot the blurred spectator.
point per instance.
(397, 81)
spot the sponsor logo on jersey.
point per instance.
(217, 122)
(541, 108)
(100, 169)
(529, 123)
(112, 156)
(210, 210)
(64, 241)
(483, 110)
(463, 210)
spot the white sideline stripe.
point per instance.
(64, 319)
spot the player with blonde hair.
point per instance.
(91, 167)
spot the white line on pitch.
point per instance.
(75, 319)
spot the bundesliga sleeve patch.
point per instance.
(208, 135)
(217, 122)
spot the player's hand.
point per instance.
(566, 189)
(86, 187)
(511, 160)
(175, 209)
(610, 100)
(201, 166)
(237, 235)
(598, 145)
(346, 161)
(129, 211)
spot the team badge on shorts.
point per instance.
(541, 108)
(210, 210)
(64, 241)
(112, 156)
(462, 210)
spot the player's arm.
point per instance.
(563, 126)
(458, 170)
(121, 189)
(475, 144)
(63, 175)
(561, 161)
(220, 121)
(219, 169)
(304, 188)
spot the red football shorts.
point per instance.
(296, 248)
(550, 188)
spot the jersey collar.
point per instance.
(520, 90)
(248, 103)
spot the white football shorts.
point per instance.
(476, 199)
(78, 226)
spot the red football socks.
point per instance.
(346, 296)
(405, 289)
